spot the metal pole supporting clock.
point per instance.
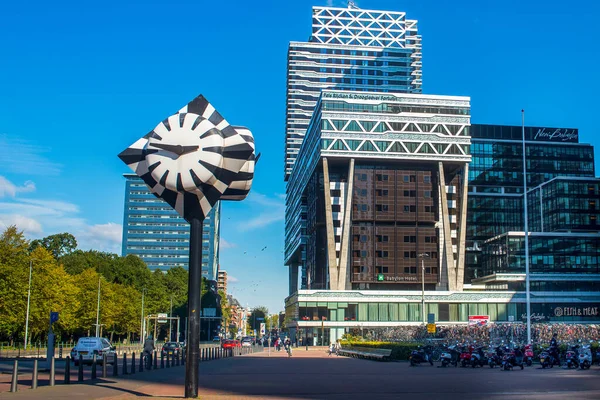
(191, 160)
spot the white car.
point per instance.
(246, 342)
(88, 346)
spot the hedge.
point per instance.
(400, 351)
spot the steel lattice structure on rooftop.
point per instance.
(349, 49)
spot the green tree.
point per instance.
(14, 280)
(59, 244)
(225, 311)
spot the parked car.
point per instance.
(171, 349)
(229, 344)
(247, 342)
(86, 347)
(216, 339)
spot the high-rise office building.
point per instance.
(349, 49)
(222, 280)
(155, 232)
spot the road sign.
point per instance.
(262, 328)
(162, 318)
(209, 312)
(53, 317)
(380, 277)
(260, 319)
(430, 328)
(431, 318)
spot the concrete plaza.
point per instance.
(314, 375)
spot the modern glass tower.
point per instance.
(349, 49)
(155, 232)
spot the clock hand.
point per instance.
(173, 148)
(188, 149)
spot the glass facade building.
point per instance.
(349, 49)
(154, 231)
(495, 204)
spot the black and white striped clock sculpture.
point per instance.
(193, 159)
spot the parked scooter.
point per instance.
(550, 357)
(528, 355)
(512, 358)
(450, 356)
(478, 358)
(420, 355)
(465, 356)
(495, 356)
(585, 356)
(572, 357)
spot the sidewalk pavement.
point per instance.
(164, 383)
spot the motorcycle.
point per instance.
(495, 357)
(572, 358)
(419, 356)
(450, 356)
(585, 357)
(528, 355)
(511, 360)
(478, 358)
(545, 360)
(465, 356)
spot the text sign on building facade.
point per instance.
(567, 135)
(479, 319)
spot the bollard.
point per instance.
(125, 364)
(201, 355)
(162, 360)
(68, 370)
(94, 367)
(34, 374)
(80, 371)
(52, 380)
(141, 362)
(116, 365)
(15, 377)
(133, 363)
(104, 358)
(155, 358)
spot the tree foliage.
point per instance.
(254, 320)
(65, 280)
(59, 244)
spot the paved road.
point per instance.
(314, 375)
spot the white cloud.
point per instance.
(273, 211)
(232, 279)
(24, 157)
(27, 225)
(102, 236)
(9, 189)
(224, 244)
(339, 3)
(43, 217)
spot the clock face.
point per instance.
(193, 159)
(181, 151)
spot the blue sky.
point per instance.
(79, 82)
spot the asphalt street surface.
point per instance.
(314, 375)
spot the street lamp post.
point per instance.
(422, 256)
(142, 324)
(527, 295)
(98, 311)
(28, 300)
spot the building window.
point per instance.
(427, 179)
(413, 178)
(427, 193)
(382, 177)
(382, 254)
(363, 238)
(336, 193)
(381, 207)
(406, 178)
(383, 238)
(410, 239)
(336, 208)
(428, 209)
